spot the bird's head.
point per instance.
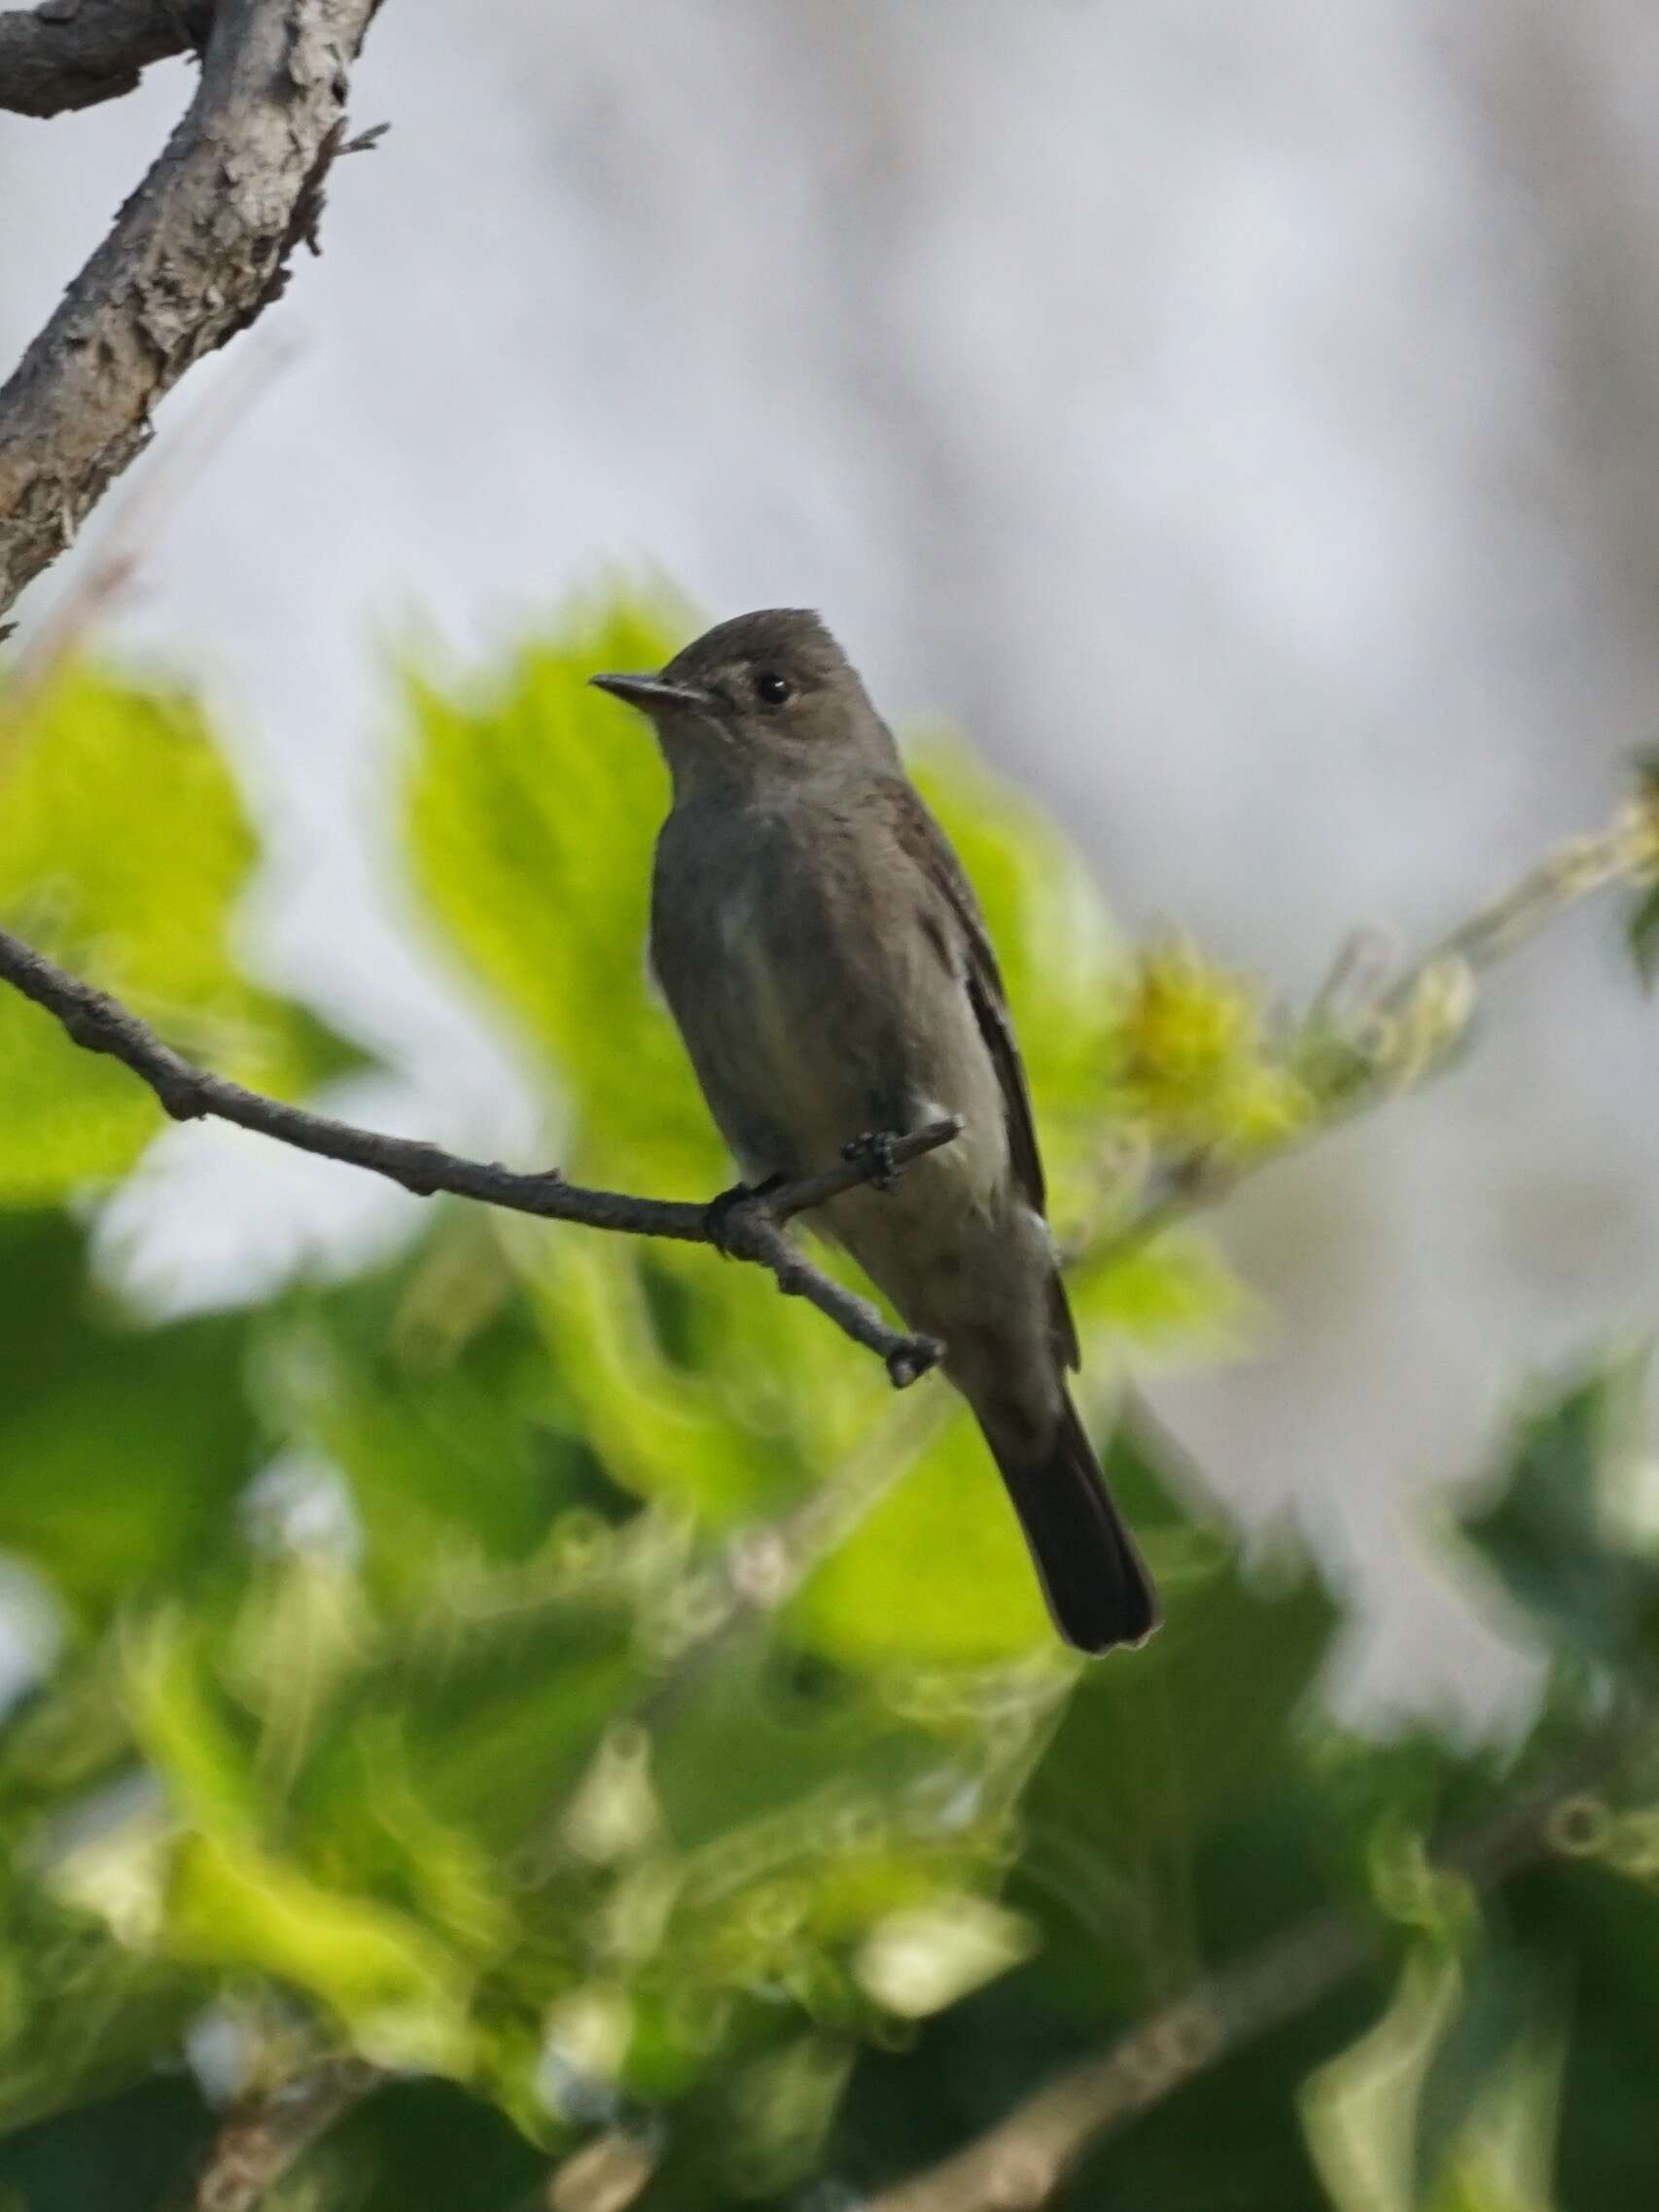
(764, 696)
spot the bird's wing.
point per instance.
(924, 842)
(921, 841)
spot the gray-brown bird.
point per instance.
(826, 960)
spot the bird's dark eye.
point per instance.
(771, 689)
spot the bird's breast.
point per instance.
(814, 1005)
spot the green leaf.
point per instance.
(500, 1727)
(738, 1748)
(427, 1386)
(81, 2015)
(232, 1906)
(532, 811)
(1174, 1295)
(123, 2154)
(1504, 2008)
(183, 1725)
(1600, 1931)
(124, 851)
(427, 2142)
(1167, 1757)
(1505, 2159)
(1556, 1540)
(1360, 2110)
(121, 1446)
(720, 1432)
(938, 1571)
(779, 2108)
(1449, 2102)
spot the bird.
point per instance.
(826, 963)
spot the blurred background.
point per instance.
(1241, 425)
(1241, 421)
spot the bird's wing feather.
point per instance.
(925, 843)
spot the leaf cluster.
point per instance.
(551, 1668)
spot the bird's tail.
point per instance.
(1097, 1587)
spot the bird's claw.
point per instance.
(720, 1213)
(874, 1152)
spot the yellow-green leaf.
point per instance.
(124, 851)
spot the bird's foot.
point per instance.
(718, 1215)
(874, 1152)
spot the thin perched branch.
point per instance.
(73, 53)
(198, 252)
(751, 1229)
(1017, 2164)
(1408, 1026)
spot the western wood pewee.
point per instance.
(826, 960)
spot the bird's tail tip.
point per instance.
(1097, 1586)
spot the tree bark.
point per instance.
(197, 253)
(73, 53)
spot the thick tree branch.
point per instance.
(195, 255)
(751, 1230)
(73, 53)
(1019, 2162)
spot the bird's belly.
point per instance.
(801, 1054)
(973, 1270)
(812, 1060)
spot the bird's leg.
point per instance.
(716, 1219)
(873, 1151)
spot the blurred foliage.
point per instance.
(555, 1670)
(123, 851)
(1192, 1065)
(1643, 926)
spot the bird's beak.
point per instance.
(650, 693)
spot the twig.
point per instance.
(73, 53)
(267, 2135)
(198, 251)
(1017, 2164)
(1411, 1023)
(753, 1229)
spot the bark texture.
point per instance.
(73, 53)
(197, 253)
